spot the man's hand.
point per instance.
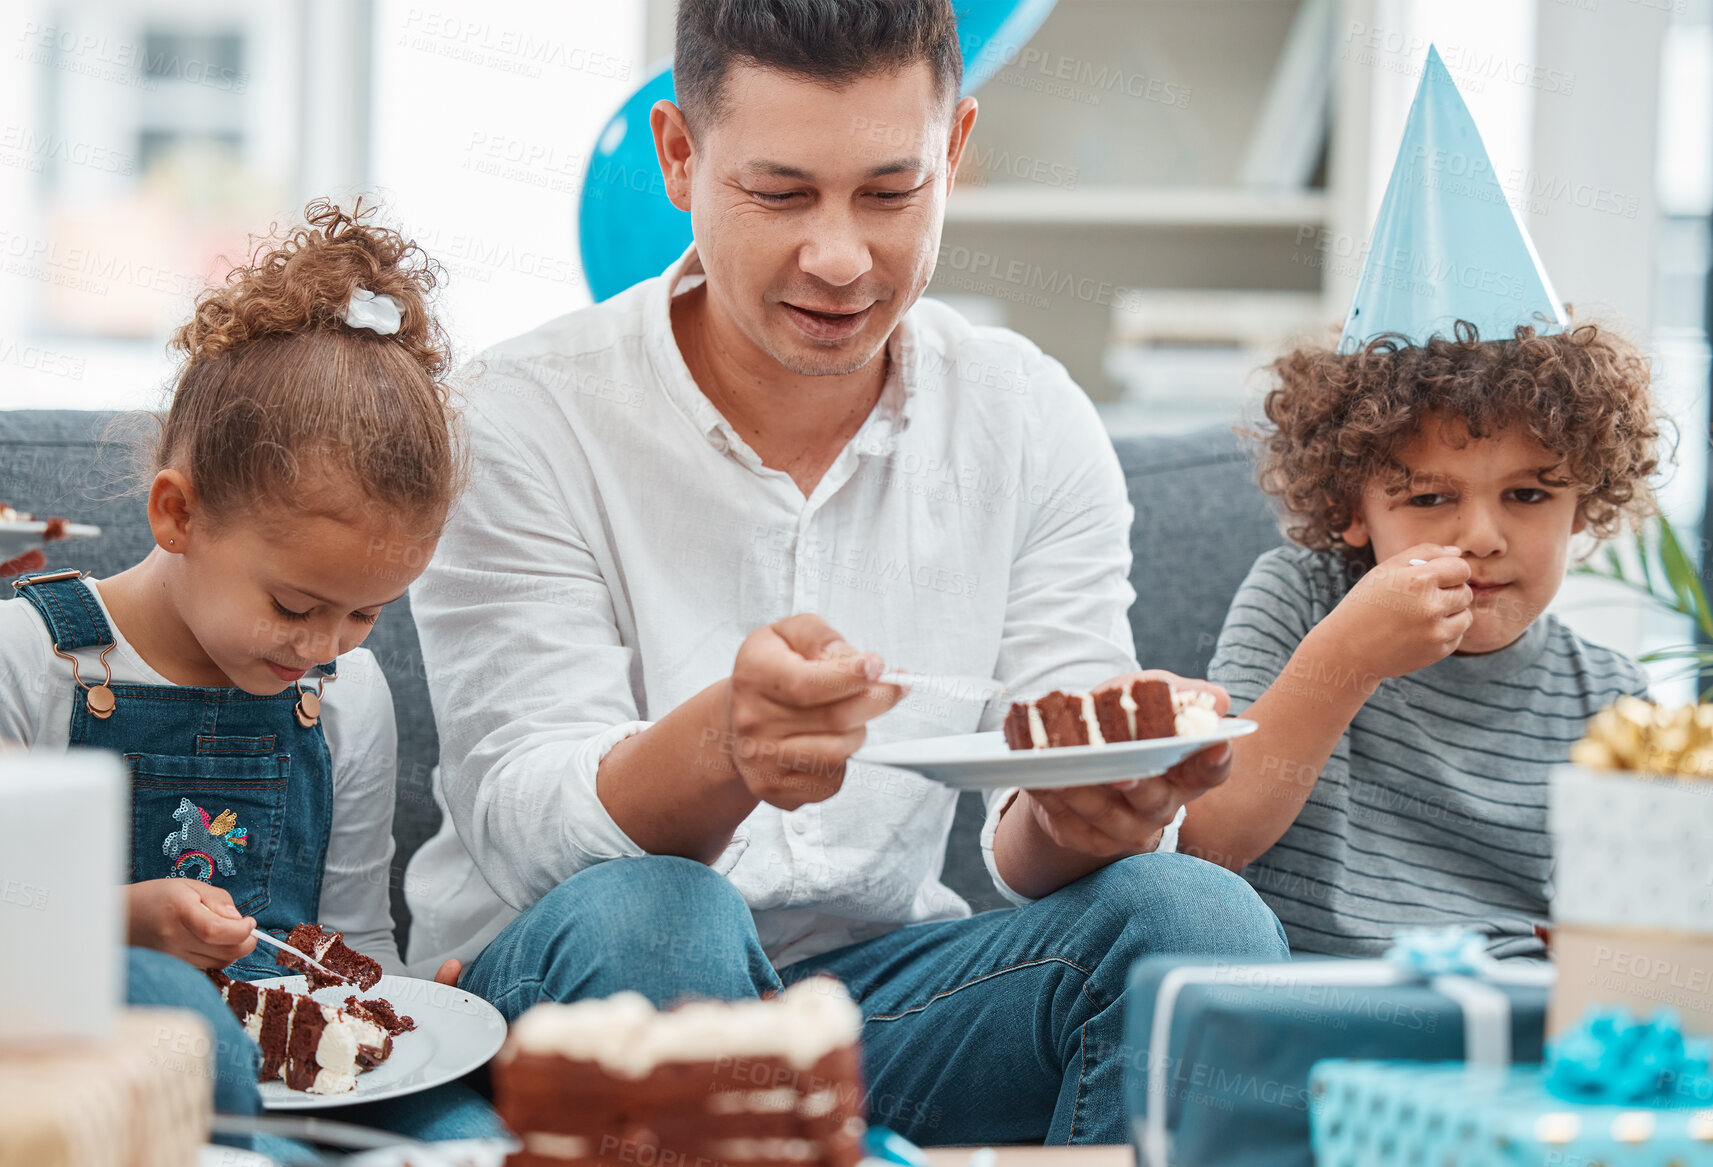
(1401, 616)
(800, 699)
(194, 921)
(1127, 818)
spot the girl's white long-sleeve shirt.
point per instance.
(36, 694)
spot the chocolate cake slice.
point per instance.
(328, 948)
(1138, 712)
(313, 1047)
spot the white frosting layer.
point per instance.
(1091, 721)
(626, 1036)
(336, 1053)
(552, 1146)
(1037, 731)
(1127, 702)
(1196, 716)
(775, 1150)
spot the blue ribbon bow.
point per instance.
(1441, 952)
(1612, 1058)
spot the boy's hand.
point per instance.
(1407, 613)
(194, 921)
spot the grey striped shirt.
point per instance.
(1432, 808)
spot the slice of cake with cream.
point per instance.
(1139, 711)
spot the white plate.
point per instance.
(455, 1032)
(982, 761)
(17, 538)
(223, 1156)
(453, 1153)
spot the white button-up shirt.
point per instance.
(619, 540)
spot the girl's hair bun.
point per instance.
(303, 280)
(280, 402)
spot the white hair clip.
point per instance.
(379, 313)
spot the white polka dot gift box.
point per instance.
(1632, 826)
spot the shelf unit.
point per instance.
(1121, 206)
(1140, 194)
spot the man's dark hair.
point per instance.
(833, 42)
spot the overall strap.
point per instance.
(69, 609)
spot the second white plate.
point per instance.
(982, 761)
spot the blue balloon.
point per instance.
(992, 32)
(628, 230)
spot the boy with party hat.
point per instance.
(1434, 468)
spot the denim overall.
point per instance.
(226, 787)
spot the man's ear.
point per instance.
(1581, 522)
(963, 121)
(173, 505)
(675, 149)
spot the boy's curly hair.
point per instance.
(1339, 420)
(281, 403)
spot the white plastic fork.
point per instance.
(958, 688)
(303, 956)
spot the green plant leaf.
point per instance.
(1685, 578)
(1645, 556)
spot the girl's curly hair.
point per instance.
(279, 402)
(1339, 420)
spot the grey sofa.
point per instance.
(1200, 523)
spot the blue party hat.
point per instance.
(1447, 245)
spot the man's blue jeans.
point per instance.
(1007, 1027)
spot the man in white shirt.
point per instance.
(702, 514)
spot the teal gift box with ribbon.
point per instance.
(1389, 1114)
(1218, 1055)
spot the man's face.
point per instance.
(1500, 501)
(817, 211)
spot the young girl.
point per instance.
(300, 482)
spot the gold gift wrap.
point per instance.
(1633, 734)
(1645, 944)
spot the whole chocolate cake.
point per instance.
(614, 1083)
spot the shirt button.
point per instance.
(799, 824)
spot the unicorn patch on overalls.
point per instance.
(201, 846)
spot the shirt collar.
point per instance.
(878, 435)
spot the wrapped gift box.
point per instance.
(1632, 900)
(1218, 1055)
(64, 831)
(1389, 1114)
(142, 1096)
